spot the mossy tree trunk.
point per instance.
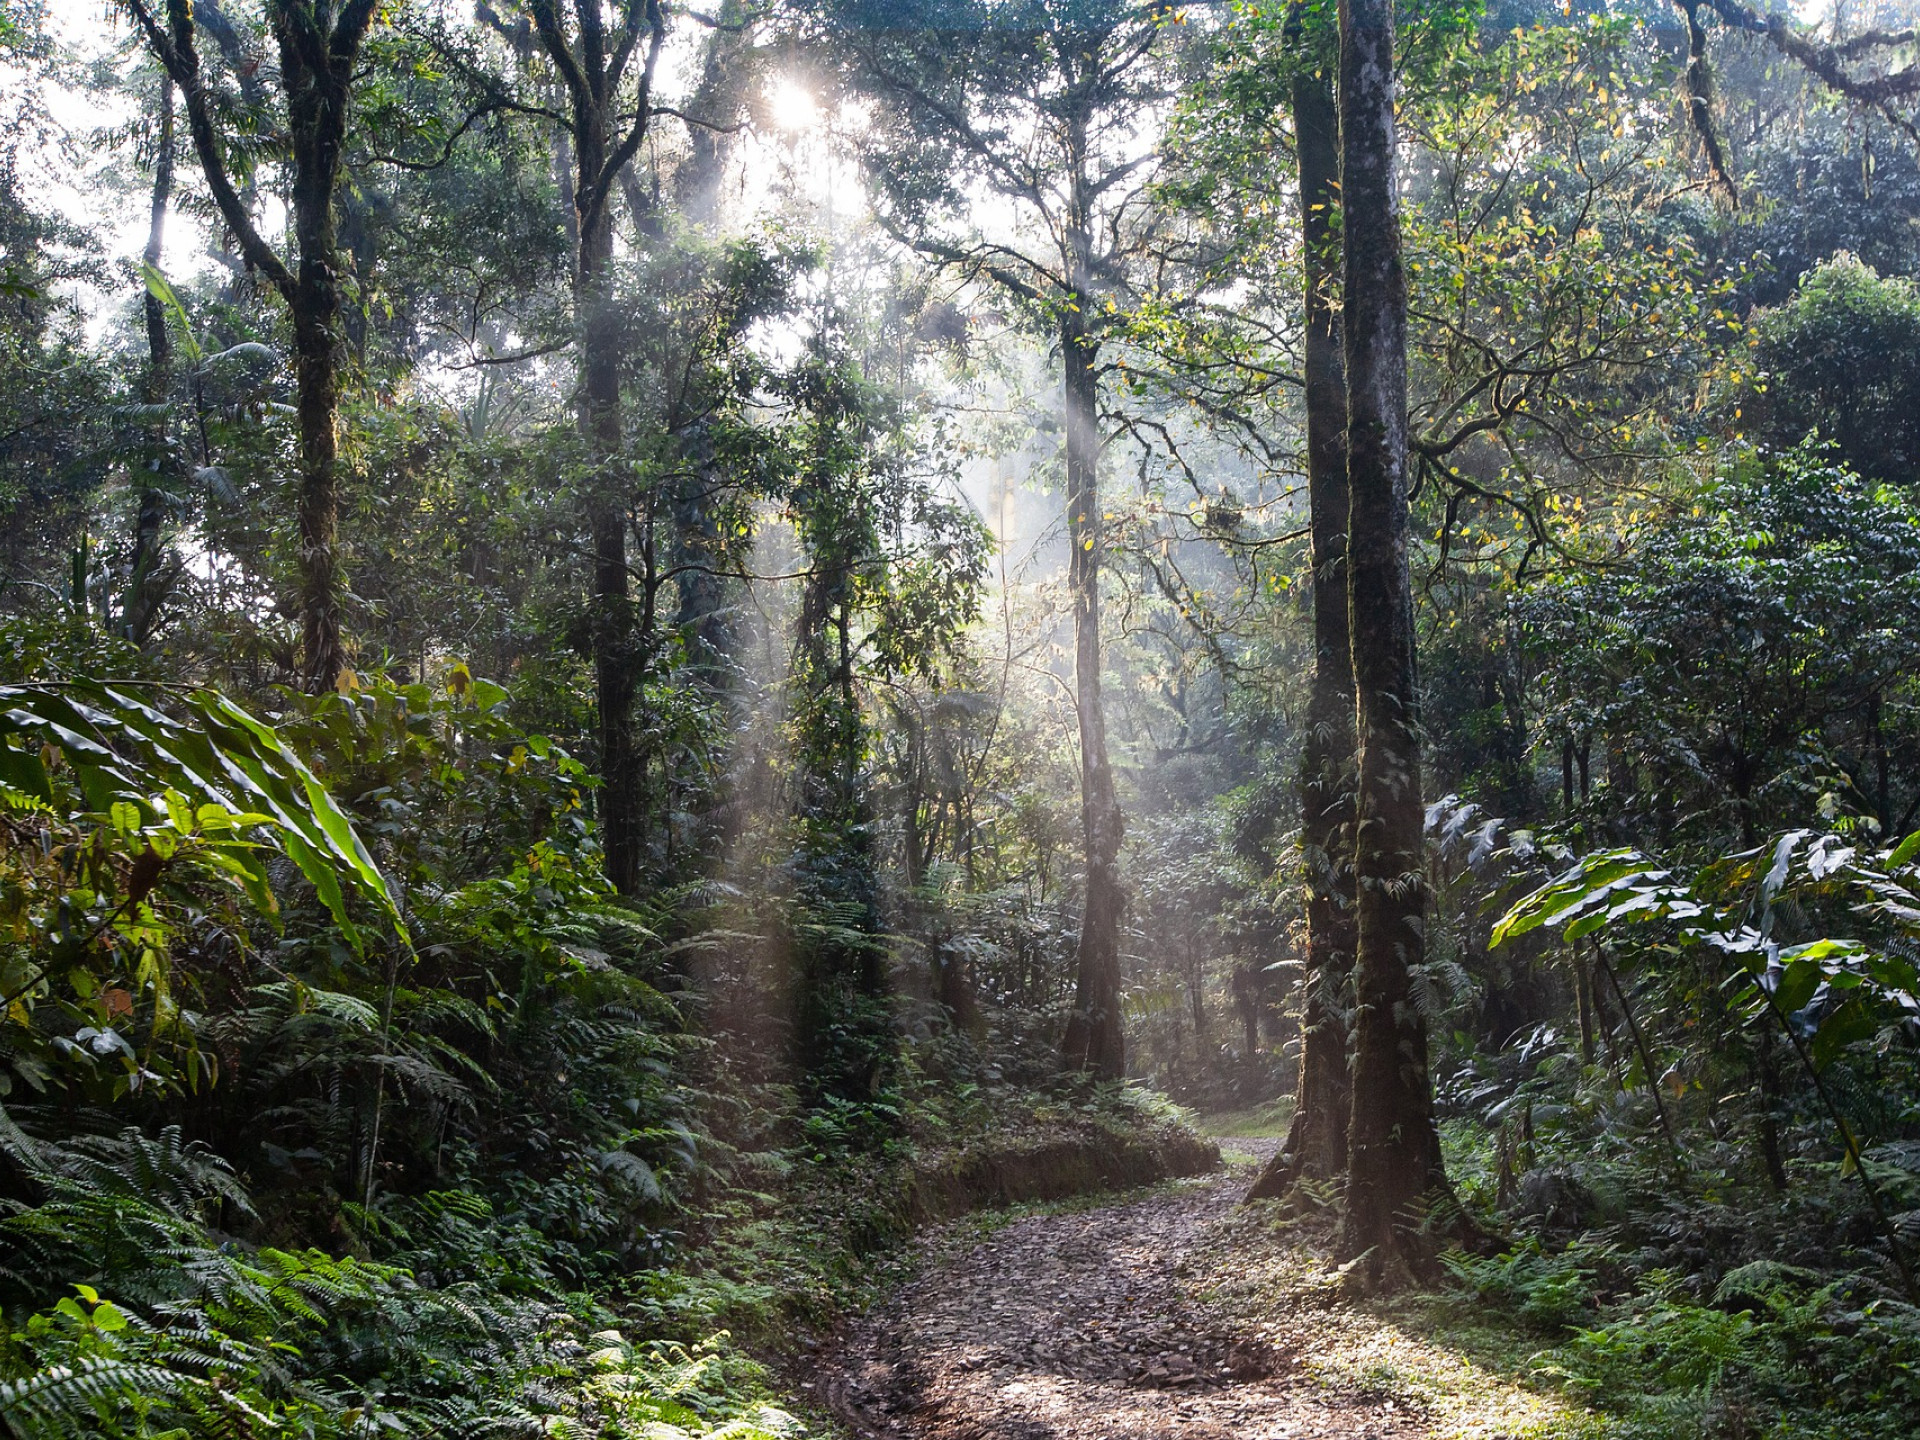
(319, 50)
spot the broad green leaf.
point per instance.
(23, 771)
(1844, 1026)
(1904, 851)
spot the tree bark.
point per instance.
(146, 589)
(1094, 1040)
(1583, 1004)
(316, 68)
(1316, 1144)
(1393, 1157)
(699, 552)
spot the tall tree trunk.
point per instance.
(699, 551)
(1316, 1144)
(1393, 1156)
(1246, 1001)
(622, 766)
(607, 128)
(699, 536)
(1094, 1040)
(145, 592)
(562, 162)
(1583, 1004)
(316, 352)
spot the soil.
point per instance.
(1091, 1324)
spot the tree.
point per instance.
(1316, 1144)
(607, 124)
(699, 524)
(146, 587)
(1393, 1159)
(319, 49)
(1733, 664)
(1041, 101)
(1839, 358)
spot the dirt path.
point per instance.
(1086, 1325)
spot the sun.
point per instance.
(791, 105)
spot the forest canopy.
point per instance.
(644, 645)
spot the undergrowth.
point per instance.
(457, 1326)
(1771, 1349)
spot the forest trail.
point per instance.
(1088, 1325)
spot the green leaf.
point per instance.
(217, 766)
(1844, 1026)
(21, 770)
(1796, 984)
(1904, 851)
(158, 287)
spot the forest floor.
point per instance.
(1172, 1311)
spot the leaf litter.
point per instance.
(1093, 1324)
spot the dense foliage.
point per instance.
(633, 641)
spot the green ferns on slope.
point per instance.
(180, 1331)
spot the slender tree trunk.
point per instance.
(562, 161)
(1316, 1145)
(1766, 1064)
(1246, 1002)
(317, 123)
(1583, 1003)
(591, 72)
(1393, 1158)
(144, 594)
(954, 985)
(1094, 1039)
(699, 551)
(622, 766)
